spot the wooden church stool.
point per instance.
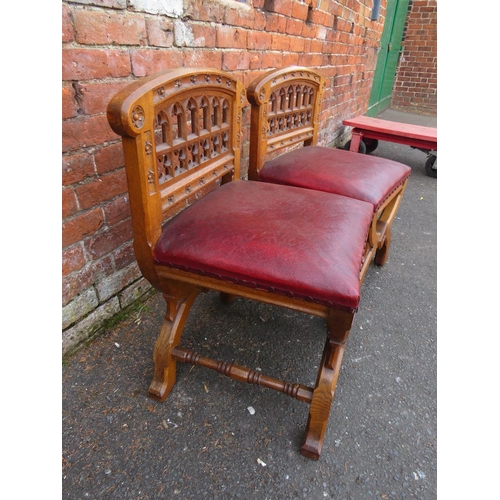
(198, 227)
(286, 105)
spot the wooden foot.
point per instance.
(178, 307)
(227, 298)
(339, 325)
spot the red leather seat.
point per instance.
(366, 178)
(254, 233)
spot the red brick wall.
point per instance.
(109, 43)
(415, 88)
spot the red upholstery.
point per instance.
(302, 243)
(357, 176)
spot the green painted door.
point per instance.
(388, 56)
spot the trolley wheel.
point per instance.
(361, 149)
(371, 145)
(431, 166)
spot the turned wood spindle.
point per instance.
(243, 374)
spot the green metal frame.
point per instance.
(388, 57)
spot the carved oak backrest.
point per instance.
(285, 111)
(181, 132)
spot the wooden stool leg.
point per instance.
(178, 308)
(382, 253)
(339, 325)
(386, 219)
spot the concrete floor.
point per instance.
(413, 118)
(203, 443)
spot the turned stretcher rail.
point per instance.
(243, 374)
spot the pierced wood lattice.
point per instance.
(289, 108)
(190, 133)
(193, 138)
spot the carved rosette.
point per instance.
(137, 116)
